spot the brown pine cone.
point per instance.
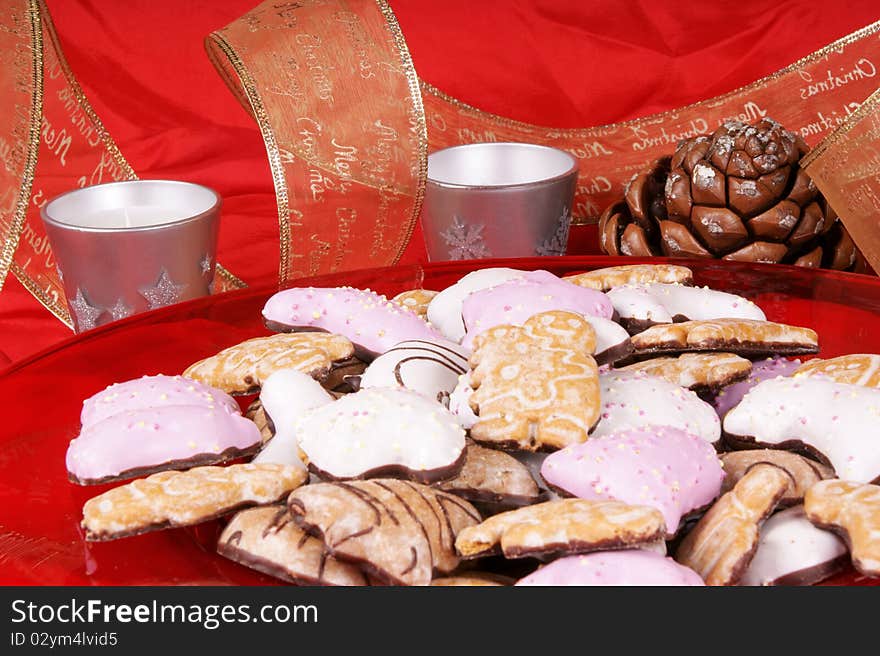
(738, 194)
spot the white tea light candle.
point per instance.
(127, 247)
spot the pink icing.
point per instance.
(632, 567)
(730, 396)
(369, 320)
(153, 436)
(514, 301)
(152, 392)
(660, 466)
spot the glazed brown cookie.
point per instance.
(241, 369)
(267, 540)
(173, 498)
(563, 526)
(855, 369)
(629, 274)
(257, 414)
(416, 300)
(473, 579)
(720, 547)
(741, 336)
(700, 372)
(853, 511)
(536, 386)
(804, 472)
(398, 532)
(493, 477)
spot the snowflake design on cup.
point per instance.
(558, 241)
(465, 240)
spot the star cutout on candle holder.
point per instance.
(205, 264)
(86, 314)
(60, 273)
(164, 292)
(120, 310)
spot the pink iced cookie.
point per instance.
(153, 392)
(514, 301)
(372, 322)
(730, 396)
(631, 567)
(660, 466)
(139, 442)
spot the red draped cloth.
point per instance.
(566, 63)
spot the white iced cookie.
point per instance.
(287, 395)
(651, 303)
(836, 420)
(636, 400)
(430, 368)
(612, 340)
(460, 402)
(791, 551)
(381, 432)
(444, 310)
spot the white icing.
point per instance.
(429, 368)
(790, 543)
(836, 419)
(459, 402)
(608, 333)
(286, 396)
(634, 302)
(380, 427)
(444, 310)
(636, 400)
(660, 302)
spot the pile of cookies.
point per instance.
(616, 427)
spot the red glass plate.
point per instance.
(40, 539)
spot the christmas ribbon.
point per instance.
(50, 141)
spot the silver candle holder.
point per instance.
(127, 247)
(498, 200)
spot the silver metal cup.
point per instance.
(127, 247)
(498, 200)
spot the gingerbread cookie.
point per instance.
(472, 579)
(153, 392)
(257, 414)
(493, 477)
(416, 300)
(720, 547)
(741, 336)
(700, 372)
(856, 369)
(382, 431)
(632, 274)
(241, 369)
(372, 322)
(791, 551)
(173, 498)
(562, 526)
(267, 540)
(444, 310)
(804, 472)
(730, 396)
(514, 301)
(140, 442)
(429, 368)
(286, 397)
(834, 422)
(628, 567)
(853, 511)
(396, 531)
(662, 467)
(535, 386)
(631, 399)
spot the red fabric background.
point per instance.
(568, 63)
